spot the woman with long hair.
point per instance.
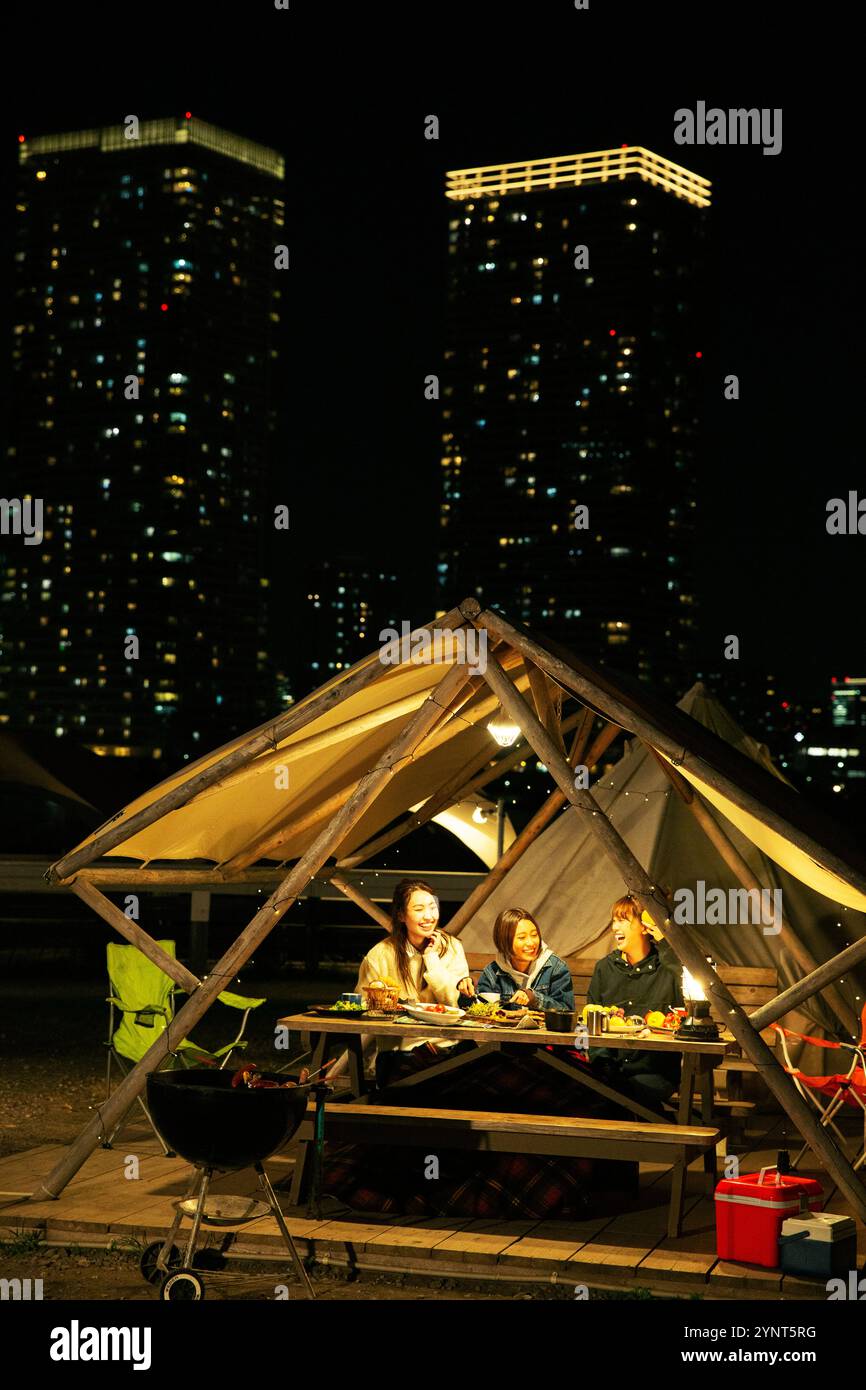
(429, 966)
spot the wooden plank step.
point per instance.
(482, 1242)
(552, 1244)
(418, 1238)
(690, 1257)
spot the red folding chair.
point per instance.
(830, 1093)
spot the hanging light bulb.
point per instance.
(503, 729)
(479, 815)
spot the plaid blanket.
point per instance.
(506, 1186)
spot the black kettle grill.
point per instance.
(219, 1128)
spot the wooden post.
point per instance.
(355, 895)
(117, 831)
(264, 921)
(652, 899)
(199, 934)
(599, 695)
(731, 856)
(135, 934)
(530, 832)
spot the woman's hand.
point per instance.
(654, 931)
(520, 997)
(467, 987)
(437, 942)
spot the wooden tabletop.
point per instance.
(379, 1027)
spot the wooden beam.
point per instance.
(653, 900)
(261, 925)
(117, 831)
(538, 684)
(738, 866)
(644, 726)
(581, 738)
(169, 878)
(803, 989)
(135, 934)
(354, 893)
(530, 832)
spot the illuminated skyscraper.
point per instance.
(145, 314)
(571, 381)
(347, 603)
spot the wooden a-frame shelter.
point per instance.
(382, 748)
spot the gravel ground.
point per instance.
(72, 1273)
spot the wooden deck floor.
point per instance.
(626, 1249)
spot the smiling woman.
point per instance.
(641, 974)
(429, 967)
(525, 970)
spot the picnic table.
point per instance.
(569, 1135)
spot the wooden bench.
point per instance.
(485, 1131)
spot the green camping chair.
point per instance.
(143, 995)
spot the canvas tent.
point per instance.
(338, 773)
(563, 879)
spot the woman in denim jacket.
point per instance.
(525, 971)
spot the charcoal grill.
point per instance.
(219, 1128)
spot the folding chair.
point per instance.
(841, 1088)
(143, 995)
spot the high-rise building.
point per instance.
(570, 398)
(146, 312)
(347, 602)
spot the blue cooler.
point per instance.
(818, 1245)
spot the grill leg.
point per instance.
(265, 1183)
(196, 1223)
(162, 1258)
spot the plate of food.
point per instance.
(341, 1008)
(664, 1023)
(440, 1014)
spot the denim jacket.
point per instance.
(552, 985)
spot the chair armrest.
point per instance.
(238, 1001)
(128, 1008)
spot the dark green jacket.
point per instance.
(654, 983)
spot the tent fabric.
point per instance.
(566, 880)
(18, 767)
(778, 848)
(319, 766)
(481, 837)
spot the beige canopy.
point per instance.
(288, 792)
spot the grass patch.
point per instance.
(24, 1242)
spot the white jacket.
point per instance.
(434, 980)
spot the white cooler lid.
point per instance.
(825, 1226)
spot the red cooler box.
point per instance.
(750, 1211)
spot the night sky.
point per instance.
(357, 456)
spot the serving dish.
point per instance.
(440, 1014)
